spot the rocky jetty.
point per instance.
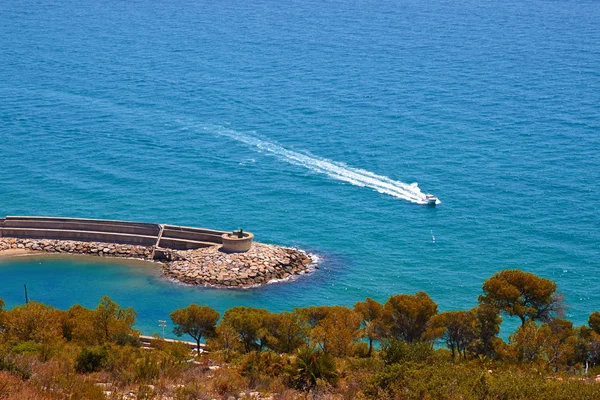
(205, 266)
(261, 264)
(75, 247)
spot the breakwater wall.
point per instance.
(108, 231)
(193, 256)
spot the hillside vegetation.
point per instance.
(401, 349)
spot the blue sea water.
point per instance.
(305, 122)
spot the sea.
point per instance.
(313, 124)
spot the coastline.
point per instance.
(9, 253)
(262, 264)
(20, 255)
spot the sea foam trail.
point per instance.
(333, 169)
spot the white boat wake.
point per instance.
(333, 169)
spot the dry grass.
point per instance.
(13, 388)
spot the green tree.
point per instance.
(487, 322)
(249, 324)
(407, 317)
(587, 347)
(560, 344)
(35, 322)
(196, 321)
(285, 332)
(371, 312)
(114, 323)
(78, 326)
(311, 316)
(527, 342)
(522, 294)
(457, 329)
(227, 339)
(337, 332)
(550, 345)
(593, 321)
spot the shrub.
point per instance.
(25, 347)
(398, 351)
(91, 359)
(147, 368)
(8, 365)
(227, 382)
(180, 351)
(311, 366)
(261, 367)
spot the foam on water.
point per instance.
(336, 170)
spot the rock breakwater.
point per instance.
(205, 266)
(75, 247)
(261, 264)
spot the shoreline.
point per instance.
(10, 253)
(208, 267)
(19, 254)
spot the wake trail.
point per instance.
(333, 169)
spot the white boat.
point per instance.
(431, 199)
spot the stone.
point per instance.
(204, 266)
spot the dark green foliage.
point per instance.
(372, 321)
(456, 329)
(522, 294)
(7, 364)
(262, 367)
(262, 362)
(147, 369)
(322, 350)
(196, 321)
(91, 359)
(407, 317)
(312, 366)
(25, 347)
(114, 322)
(487, 321)
(249, 324)
(467, 382)
(594, 322)
(398, 351)
(285, 332)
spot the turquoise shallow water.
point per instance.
(300, 123)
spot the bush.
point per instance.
(361, 349)
(147, 368)
(398, 351)
(25, 347)
(8, 365)
(262, 367)
(227, 382)
(91, 359)
(267, 363)
(180, 351)
(311, 366)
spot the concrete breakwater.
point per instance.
(189, 255)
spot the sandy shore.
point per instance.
(18, 252)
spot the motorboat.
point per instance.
(431, 200)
